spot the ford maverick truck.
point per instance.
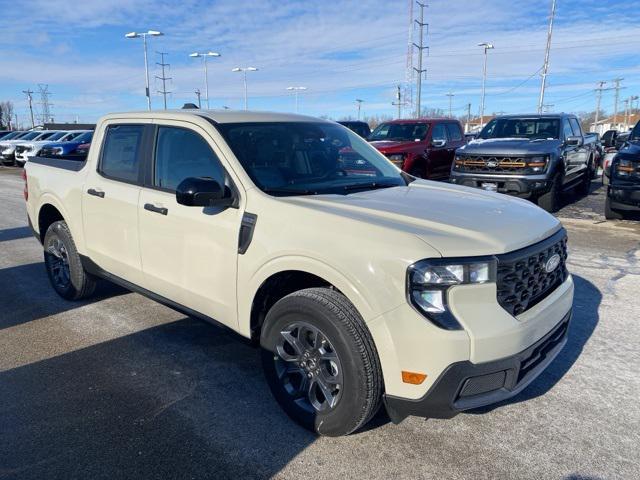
(361, 285)
(536, 157)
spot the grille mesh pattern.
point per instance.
(522, 278)
(485, 163)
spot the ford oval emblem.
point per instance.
(492, 164)
(552, 263)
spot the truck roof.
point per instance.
(421, 120)
(218, 116)
(536, 115)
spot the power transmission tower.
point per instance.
(46, 105)
(421, 47)
(615, 100)
(409, 70)
(398, 102)
(545, 67)
(450, 95)
(29, 93)
(164, 79)
(197, 92)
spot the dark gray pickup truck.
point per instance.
(530, 156)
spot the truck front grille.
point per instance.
(20, 149)
(523, 280)
(491, 164)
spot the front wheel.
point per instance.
(550, 201)
(64, 267)
(610, 213)
(320, 362)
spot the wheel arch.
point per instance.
(47, 214)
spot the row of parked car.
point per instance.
(18, 147)
(537, 157)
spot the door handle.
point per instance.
(152, 208)
(95, 193)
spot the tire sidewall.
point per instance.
(60, 231)
(337, 421)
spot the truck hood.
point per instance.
(510, 146)
(630, 151)
(456, 221)
(390, 146)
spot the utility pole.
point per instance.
(466, 130)
(599, 90)
(164, 79)
(398, 102)
(197, 92)
(626, 114)
(545, 67)
(29, 93)
(44, 102)
(450, 95)
(359, 102)
(421, 47)
(615, 100)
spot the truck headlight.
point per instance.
(57, 150)
(428, 282)
(537, 164)
(397, 159)
(626, 168)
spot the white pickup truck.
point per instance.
(362, 285)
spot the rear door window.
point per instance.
(121, 153)
(575, 126)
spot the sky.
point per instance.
(340, 50)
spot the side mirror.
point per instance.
(203, 192)
(574, 141)
(438, 143)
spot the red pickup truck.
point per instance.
(423, 147)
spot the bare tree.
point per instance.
(6, 113)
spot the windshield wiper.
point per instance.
(288, 191)
(369, 186)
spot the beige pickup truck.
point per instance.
(362, 285)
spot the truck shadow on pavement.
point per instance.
(586, 302)
(179, 400)
(26, 295)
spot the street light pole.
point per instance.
(545, 67)
(296, 90)
(206, 72)
(144, 35)
(487, 46)
(359, 102)
(244, 71)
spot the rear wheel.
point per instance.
(64, 267)
(320, 362)
(550, 201)
(610, 213)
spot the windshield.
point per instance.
(55, 136)
(531, 128)
(45, 135)
(408, 132)
(30, 135)
(303, 158)
(12, 135)
(84, 138)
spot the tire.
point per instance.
(345, 362)
(550, 201)
(64, 267)
(611, 214)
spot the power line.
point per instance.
(163, 78)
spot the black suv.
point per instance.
(623, 191)
(530, 156)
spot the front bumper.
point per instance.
(466, 385)
(624, 197)
(524, 186)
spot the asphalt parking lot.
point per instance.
(122, 387)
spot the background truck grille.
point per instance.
(493, 164)
(522, 278)
(20, 149)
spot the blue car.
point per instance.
(76, 148)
